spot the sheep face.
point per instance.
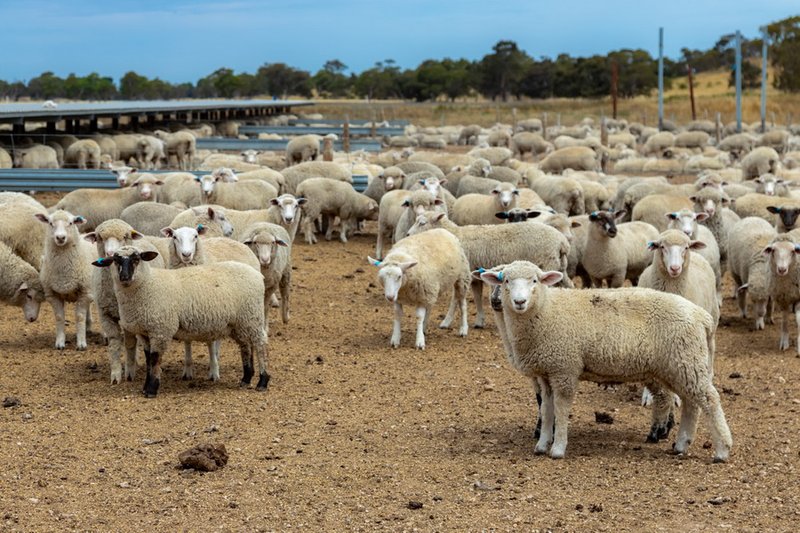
(607, 221)
(390, 276)
(289, 206)
(265, 246)
(184, 242)
(505, 196)
(781, 255)
(685, 221)
(127, 260)
(250, 156)
(522, 283)
(147, 186)
(768, 184)
(207, 184)
(709, 203)
(63, 226)
(432, 184)
(788, 215)
(392, 182)
(225, 174)
(123, 174)
(425, 221)
(31, 296)
(218, 216)
(674, 247)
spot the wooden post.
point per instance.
(772, 114)
(660, 79)
(614, 88)
(558, 120)
(544, 124)
(346, 134)
(603, 131)
(764, 46)
(719, 127)
(691, 91)
(513, 119)
(738, 80)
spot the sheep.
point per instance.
(640, 345)
(302, 148)
(574, 157)
(469, 134)
(296, 174)
(6, 161)
(782, 253)
(412, 167)
(750, 266)
(65, 272)
(415, 271)
(777, 139)
(499, 138)
(213, 161)
(181, 144)
(286, 211)
(213, 217)
(99, 205)
(83, 154)
(445, 162)
(651, 209)
(530, 124)
(433, 142)
(392, 207)
(686, 220)
(614, 252)
(108, 238)
(125, 175)
(712, 201)
(201, 303)
(391, 178)
(20, 284)
(496, 156)
(272, 245)
(624, 138)
(475, 185)
(153, 151)
(107, 146)
(8, 198)
(480, 208)
(536, 242)
(149, 217)
(36, 156)
(761, 160)
(772, 186)
(658, 142)
(780, 212)
(331, 198)
(267, 175)
(738, 143)
(419, 201)
(16, 231)
(252, 194)
(528, 142)
(180, 187)
(692, 139)
(563, 194)
(677, 269)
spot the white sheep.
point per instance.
(623, 335)
(750, 266)
(149, 217)
(242, 195)
(532, 242)
(563, 194)
(287, 210)
(302, 148)
(614, 252)
(17, 232)
(20, 284)
(66, 275)
(686, 221)
(181, 144)
(108, 238)
(720, 219)
(419, 201)
(416, 271)
(761, 160)
(37, 156)
(782, 253)
(652, 208)
(201, 303)
(84, 154)
(327, 197)
(213, 217)
(296, 174)
(780, 212)
(99, 205)
(574, 157)
(272, 246)
(481, 208)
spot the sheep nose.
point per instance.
(612, 233)
(675, 269)
(391, 298)
(519, 302)
(782, 271)
(60, 239)
(288, 219)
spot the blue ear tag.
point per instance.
(199, 227)
(499, 276)
(99, 258)
(650, 243)
(377, 263)
(481, 270)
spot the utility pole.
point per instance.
(660, 78)
(764, 46)
(738, 81)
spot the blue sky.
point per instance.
(183, 40)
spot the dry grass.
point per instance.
(712, 95)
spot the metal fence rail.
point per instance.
(320, 130)
(220, 143)
(340, 122)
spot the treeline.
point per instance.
(504, 73)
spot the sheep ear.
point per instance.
(22, 288)
(301, 200)
(575, 224)
(135, 235)
(492, 278)
(621, 213)
(406, 203)
(593, 216)
(158, 182)
(280, 242)
(443, 181)
(274, 201)
(652, 245)
(533, 213)
(408, 264)
(148, 255)
(91, 237)
(211, 213)
(773, 209)
(422, 182)
(439, 217)
(78, 220)
(697, 245)
(167, 232)
(767, 251)
(701, 216)
(550, 278)
(502, 215)
(42, 218)
(373, 262)
(201, 229)
(438, 201)
(671, 216)
(197, 179)
(693, 198)
(516, 192)
(742, 288)
(103, 262)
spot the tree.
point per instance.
(751, 76)
(47, 85)
(501, 71)
(330, 80)
(279, 79)
(785, 53)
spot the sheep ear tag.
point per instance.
(103, 261)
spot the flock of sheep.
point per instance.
(528, 209)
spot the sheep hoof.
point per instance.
(718, 459)
(263, 382)
(81, 347)
(477, 326)
(151, 386)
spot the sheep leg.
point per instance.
(308, 230)
(394, 342)
(81, 312)
(285, 286)
(547, 416)
(617, 280)
(688, 425)
(451, 314)
(741, 300)
(262, 352)
(562, 394)
(213, 359)
(344, 226)
(379, 246)
(717, 425)
(761, 312)
(797, 319)
(130, 355)
(188, 367)
(770, 310)
(784, 342)
(58, 311)
(537, 432)
(153, 356)
(477, 295)
(662, 418)
(462, 303)
(273, 300)
(113, 333)
(422, 317)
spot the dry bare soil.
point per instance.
(353, 435)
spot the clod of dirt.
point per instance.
(735, 375)
(603, 418)
(205, 457)
(11, 401)
(719, 500)
(480, 485)
(595, 508)
(414, 505)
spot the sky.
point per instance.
(184, 40)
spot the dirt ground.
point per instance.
(353, 435)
